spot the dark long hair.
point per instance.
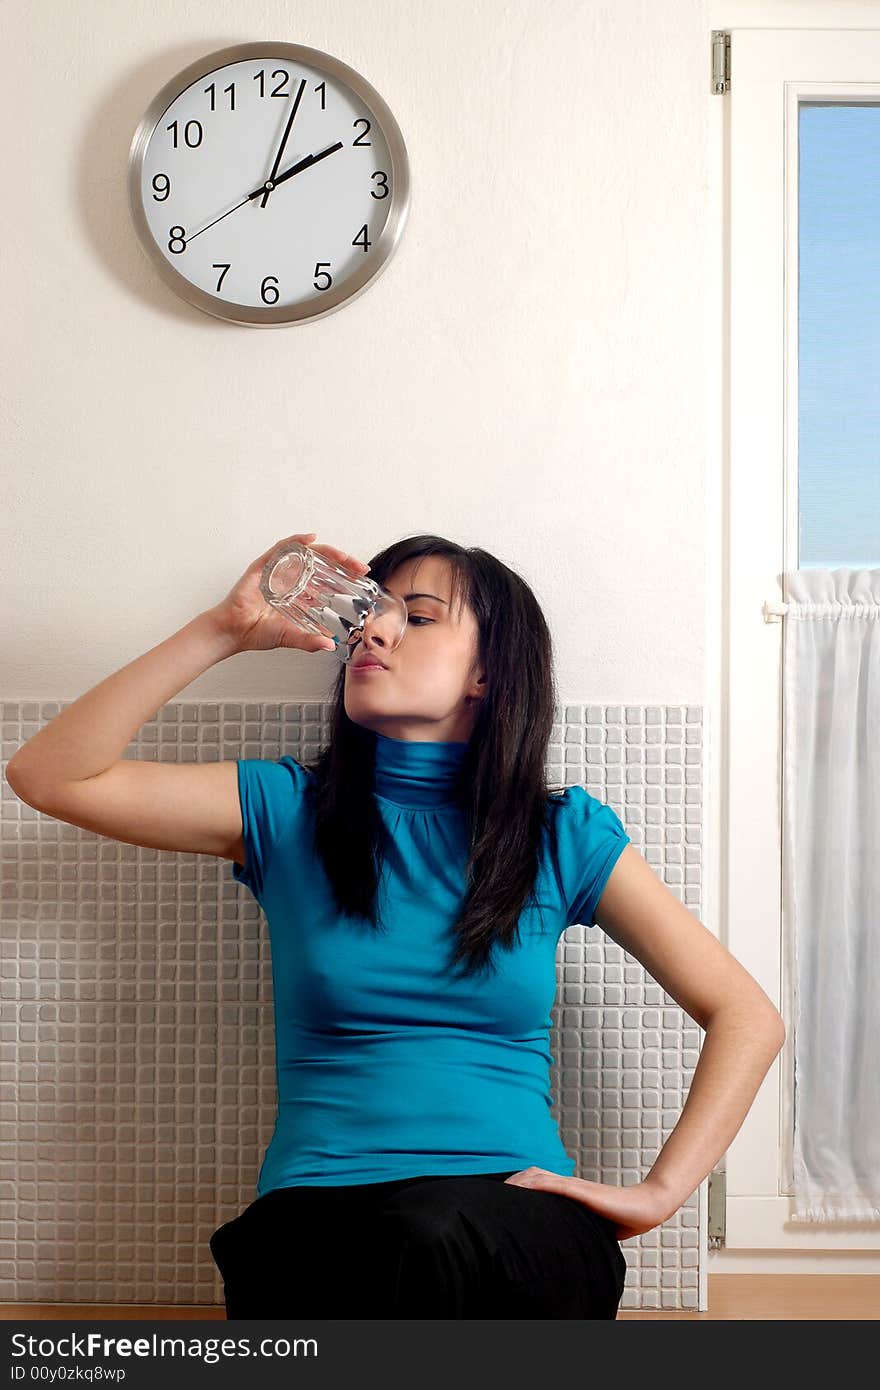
(501, 788)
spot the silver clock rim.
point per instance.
(275, 316)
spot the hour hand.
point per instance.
(297, 168)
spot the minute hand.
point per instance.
(305, 163)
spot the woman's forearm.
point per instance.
(737, 1052)
(92, 733)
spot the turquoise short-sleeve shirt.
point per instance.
(389, 1063)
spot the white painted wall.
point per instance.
(546, 337)
(527, 374)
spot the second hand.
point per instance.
(267, 187)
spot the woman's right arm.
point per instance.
(73, 769)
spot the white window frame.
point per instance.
(772, 70)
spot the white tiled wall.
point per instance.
(137, 1087)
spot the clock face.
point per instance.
(269, 183)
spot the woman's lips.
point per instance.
(366, 666)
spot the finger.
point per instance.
(331, 552)
(302, 536)
(338, 554)
(320, 642)
(341, 557)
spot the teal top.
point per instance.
(389, 1063)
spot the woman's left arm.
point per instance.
(738, 1051)
(740, 1046)
(744, 1033)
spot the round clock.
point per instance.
(269, 183)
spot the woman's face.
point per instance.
(423, 693)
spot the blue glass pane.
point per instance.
(839, 336)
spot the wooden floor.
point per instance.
(836, 1297)
(786, 1297)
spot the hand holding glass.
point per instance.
(319, 597)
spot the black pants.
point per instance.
(423, 1247)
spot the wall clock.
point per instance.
(269, 183)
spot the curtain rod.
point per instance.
(773, 611)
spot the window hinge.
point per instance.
(717, 1208)
(720, 61)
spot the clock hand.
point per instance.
(218, 219)
(293, 112)
(298, 168)
(267, 187)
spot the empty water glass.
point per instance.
(321, 598)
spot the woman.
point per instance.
(412, 1045)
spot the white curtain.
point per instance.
(831, 888)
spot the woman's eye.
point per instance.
(416, 618)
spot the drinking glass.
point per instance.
(316, 594)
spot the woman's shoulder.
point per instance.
(295, 770)
(588, 837)
(276, 781)
(576, 815)
(282, 771)
(573, 800)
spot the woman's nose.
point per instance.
(382, 630)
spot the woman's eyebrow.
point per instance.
(439, 600)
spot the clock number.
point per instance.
(279, 72)
(319, 272)
(360, 140)
(322, 88)
(365, 243)
(270, 289)
(157, 187)
(193, 144)
(378, 174)
(222, 267)
(230, 89)
(177, 234)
